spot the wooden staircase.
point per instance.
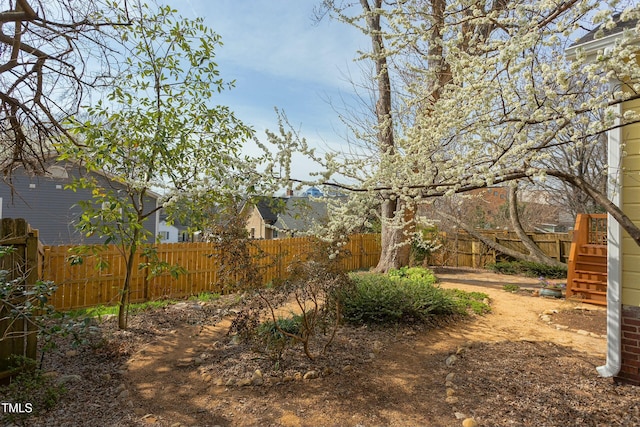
(587, 269)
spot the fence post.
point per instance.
(18, 334)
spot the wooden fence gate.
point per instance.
(18, 335)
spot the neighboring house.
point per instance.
(44, 202)
(176, 232)
(276, 217)
(623, 270)
(168, 233)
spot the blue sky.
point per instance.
(281, 58)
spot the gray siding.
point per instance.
(47, 206)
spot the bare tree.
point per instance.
(52, 53)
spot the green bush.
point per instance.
(273, 336)
(396, 298)
(527, 268)
(414, 273)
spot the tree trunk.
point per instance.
(530, 245)
(123, 307)
(394, 241)
(395, 245)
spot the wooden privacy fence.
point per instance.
(84, 285)
(18, 335)
(463, 250)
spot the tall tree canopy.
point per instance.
(484, 93)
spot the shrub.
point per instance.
(527, 268)
(414, 273)
(276, 336)
(534, 269)
(394, 298)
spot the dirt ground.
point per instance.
(530, 362)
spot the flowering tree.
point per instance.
(487, 95)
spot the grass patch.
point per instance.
(511, 288)
(106, 310)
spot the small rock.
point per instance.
(372, 356)
(591, 334)
(451, 360)
(450, 376)
(206, 378)
(347, 368)
(150, 419)
(469, 422)
(562, 327)
(124, 394)
(287, 378)
(197, 361)
(451, 400)
(244, 382)
(545, 318)
(311, 375)
(486, 301)
(256, 378)
(459, 415)
(297, 376)
(449, 384)
(450, 392)
(219, 382)
(71, 353)
(183, 363)
(139, 412)
(582, 332)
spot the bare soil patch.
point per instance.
(177, 367)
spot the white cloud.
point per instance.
(280, 38)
